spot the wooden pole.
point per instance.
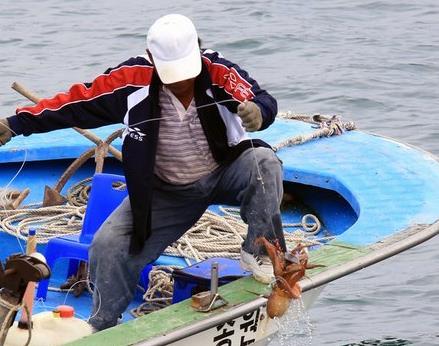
(29, 294)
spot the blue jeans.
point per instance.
(176, 208)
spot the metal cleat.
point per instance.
(209, 300)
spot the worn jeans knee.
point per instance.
(260, 205)
(268, 162)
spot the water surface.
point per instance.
(374, 62)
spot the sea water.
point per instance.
(374, 62)
(295, 327)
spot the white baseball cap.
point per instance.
(173, 43)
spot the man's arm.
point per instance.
(237, 83)
(85, 105)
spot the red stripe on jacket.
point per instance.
(230, 80)
(118, 78)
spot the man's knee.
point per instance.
(267, 160)
(270, 168)
(106, 242)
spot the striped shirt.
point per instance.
(183, 154)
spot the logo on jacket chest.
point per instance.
(135, 133)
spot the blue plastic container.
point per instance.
(196, 278)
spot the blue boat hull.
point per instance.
(364, 188)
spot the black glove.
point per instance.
(251, 116)
(5, 132)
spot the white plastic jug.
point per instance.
(50, 328)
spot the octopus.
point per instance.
(288, 269)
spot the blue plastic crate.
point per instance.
(196, 278)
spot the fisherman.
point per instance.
(187, 112)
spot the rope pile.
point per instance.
(221, 236)
(304, 232)
(212, 236)
(326, 127)
(159, 292)
(79, 193)
(49, 221)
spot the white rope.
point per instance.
(49, 222)
(160, 284)
(327, 127)
(159, 292)
(212, 236)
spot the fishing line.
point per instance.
(53, 308)
(173, 116)
(208, 105)
(12, 180)
(259, 177)
(87, 281)
(216, 103)
(149, 120)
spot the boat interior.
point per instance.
(333, 211)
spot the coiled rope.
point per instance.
(327, 126)
(212, 236)
(50, 221)
(159, 292)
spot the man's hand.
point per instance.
(251, 116)
(5, 132)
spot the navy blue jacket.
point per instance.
(128, 94)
